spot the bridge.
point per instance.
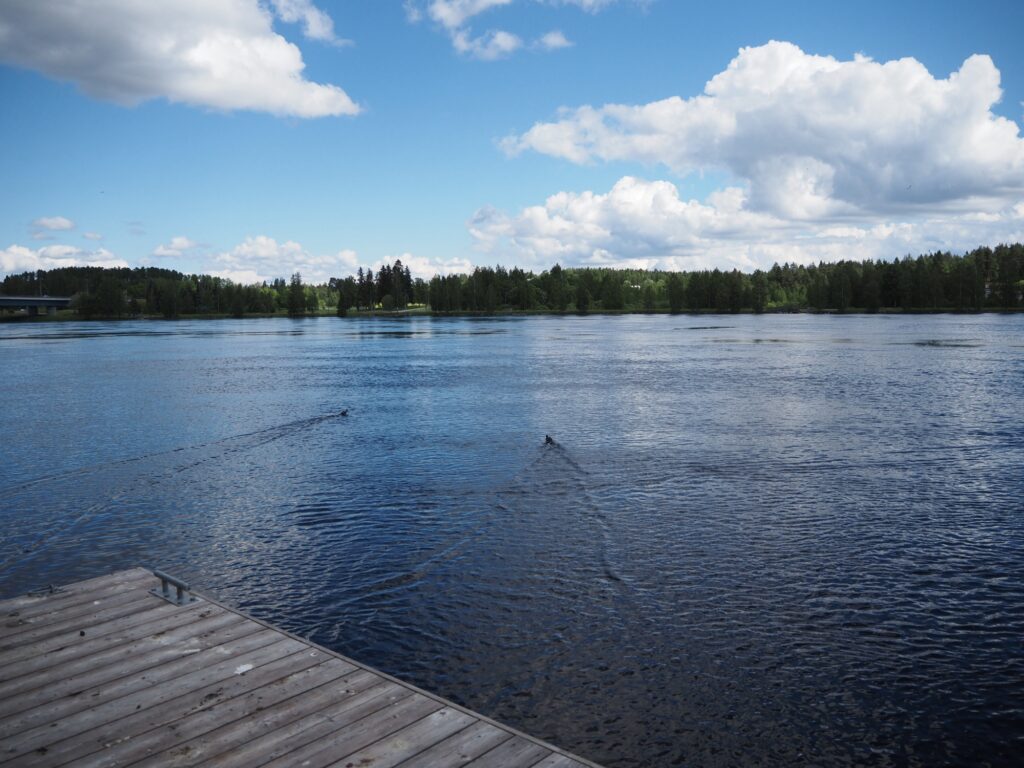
(32, 304)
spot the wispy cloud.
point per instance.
(53, 223)
(553, 41)
(455, 17)
(316, 25)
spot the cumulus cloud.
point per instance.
(19, 258)
(176, 247)
(263, 258)
(426, 267)
(53, 223)
(648, 224)
(454, 17)
(815, 137)
(222, 54)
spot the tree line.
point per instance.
(982, 279)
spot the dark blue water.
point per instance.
(759, 541)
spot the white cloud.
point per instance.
(553, 40)
(453, 14)
(591, 6)
(647, 224)
(813, 137)
(316, 24)
(176, 247)
(425, 267)
(454, 17)
(19, 258)
(54, 223)
(263, 258)
(92, 235)
(222, 54)
(487, 47)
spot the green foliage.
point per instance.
(296, 296)
(676, 293)
(985, 278)
(582, 298)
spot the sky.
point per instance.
(253, 138)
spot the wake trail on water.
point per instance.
(271, 433)
(552, 472)
(234, 444)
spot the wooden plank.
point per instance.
(346, 738)
(36, 597)
(16, 619)
(89, 646)
(458, 750)
(51, 685)
(558, 761)
(442, 702)
(139, 734)
(298, 733)
(517, 752)
(409, 741)
(240, 722)
(84, 675)
(34, 729)
(129, 605)
(102, 674)
(158, 609)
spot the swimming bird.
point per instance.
(344, 412)
(549, 440)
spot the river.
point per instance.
(785, 539)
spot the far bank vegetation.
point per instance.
(980, 280)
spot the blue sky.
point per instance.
(459, 132)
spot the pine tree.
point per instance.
(296, 296)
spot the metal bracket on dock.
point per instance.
(184, 595)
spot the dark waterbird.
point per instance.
(344, 412)
(549, 440)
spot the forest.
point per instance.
(982, 279)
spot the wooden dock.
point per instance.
(105, 673)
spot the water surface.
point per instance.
(759, 540)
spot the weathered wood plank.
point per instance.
(31, 730)
(558, 761)
(103, 674)
(81, 647)
(128, 605)
(60, 604)
(458, 750)
(283, 741)
(280, 706)
(80, 676)
(409, 741)
(354, 736)
(36, 597)
(517, 752)
(138, 735)
(158, 609)
(52, 686)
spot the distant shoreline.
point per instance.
(72, 316)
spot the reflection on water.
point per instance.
(759, 540)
